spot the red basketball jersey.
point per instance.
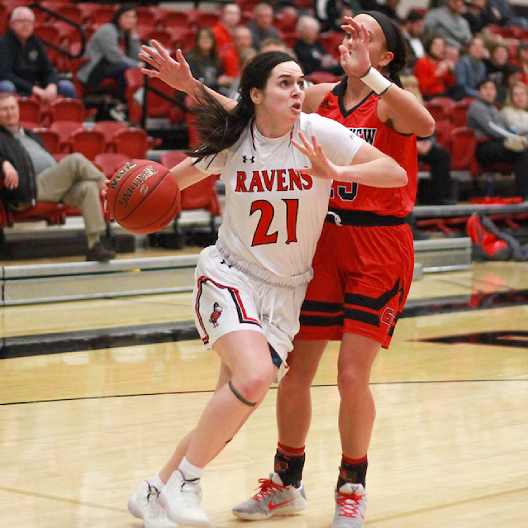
(364, 121)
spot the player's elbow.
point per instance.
(426, 126)
(399, 175)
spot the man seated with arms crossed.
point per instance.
(30, 173)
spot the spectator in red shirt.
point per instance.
(224, 36)
(434, 72)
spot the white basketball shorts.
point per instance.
(226, 299)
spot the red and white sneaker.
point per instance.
(272, 498)
(351, 504)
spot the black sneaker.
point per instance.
(99, 253)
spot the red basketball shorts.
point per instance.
(362, 275)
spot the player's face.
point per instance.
(379, 56)
(283, 96)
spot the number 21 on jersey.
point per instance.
(267, 212)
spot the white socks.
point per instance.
(156, 481)
(189, 471)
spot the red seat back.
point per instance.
(90, 143)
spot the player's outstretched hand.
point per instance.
(354, 56)
(322, 167)
(175, 72)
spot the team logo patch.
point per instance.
(388, 316)
(248, 159)
(215, 314)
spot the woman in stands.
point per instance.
(112, 50)
(206, 64)
(358, 290)
(250, 286)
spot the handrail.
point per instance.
(146, 89)
(68, 21)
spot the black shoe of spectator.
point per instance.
(99, 253)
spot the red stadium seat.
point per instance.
(50, 139)
(109, 162)
(67, 110)
(88, 142)
(132, 142)
(65, 129)
(459, 113)
(463, 146)
(109, 129)
(31, 115)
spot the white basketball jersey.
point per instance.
(274, 210)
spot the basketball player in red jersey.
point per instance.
(362, 269)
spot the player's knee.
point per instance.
(254, 386)
(351, 380)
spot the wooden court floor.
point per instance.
(450, 446)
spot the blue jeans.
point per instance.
(64, 87)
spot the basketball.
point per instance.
(142, 196)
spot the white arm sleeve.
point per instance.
(212, 164)
(339, 143)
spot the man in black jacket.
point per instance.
(29, 173)
(24, 64)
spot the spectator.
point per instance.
(434, 72)
(261, 26)
(30, 173)
(515, 113)
(470, 70)
(389, 7)
(112, 50)
(330, 12)
(275, 44)
(447, 22)
(522, 61)
(441, 189)
(224, 34)
(477, 15)
(25, 67)
(413, 28)
(497, 143)
(206, 64)
(504, 15)
(310, 53)
(498, 69)
(243, 40)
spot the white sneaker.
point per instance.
(181, 499)
(272, 498)
(144, 504)
(351, 504)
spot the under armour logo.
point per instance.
(246, 159)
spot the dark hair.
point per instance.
(394, 42)
(219, 128)
(196, 51)
(484, 81)
(123, 8)
(429, 43)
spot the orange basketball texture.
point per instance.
(143, 197)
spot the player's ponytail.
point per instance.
(219, 128)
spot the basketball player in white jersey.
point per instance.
(277, 165)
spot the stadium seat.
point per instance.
(109, 162)
(175, 19)
(67, 110)
(31, 115)
(65, 129)
(132, 142)
(108, 129)
(459, 113)
(463, 146)
(90, 143)
(438, 110)
(318, 77)
(50, 139)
